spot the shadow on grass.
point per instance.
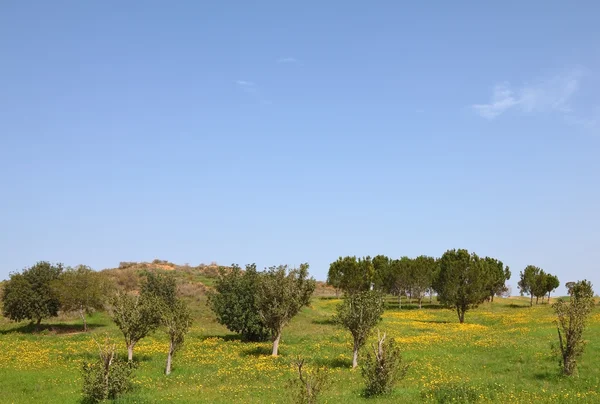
(518, 306)
(412, 306)
(51, 329)
(324, 321)
(227, 337)
(335, 363)
(258, 351)
(434, 321)
(548, 376)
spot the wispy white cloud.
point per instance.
(287, 60)
(551, 94)
(252, 88)
(246, 84)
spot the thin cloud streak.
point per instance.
(287, 60)
(547, 95)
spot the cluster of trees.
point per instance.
(156, 305)
(258, 305)
(535, 282)
(460, 279)
(41, 291)
(44, 289)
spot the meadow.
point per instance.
(502, 354)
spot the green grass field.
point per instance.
(502, 354)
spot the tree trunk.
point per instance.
(355, 357)
(169, 359)
(430, 296)
(130, 351)
(276, 344)
(537, 300)
(492, 298)
(531, 302)
(82, 314)
(37, 324)
(461, 315)
(420, 300)
(548, 297)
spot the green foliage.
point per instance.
(381, 269)
(177, 320)
(107, 377)
(136, 317)
(383, 367)
(281, 295)
(160, 286)
(351, 275)
(398, 277)
(81, 290)
(461, 281)
(571, 322)
(497, 275)
(359, 313)
(420, 276)
(30, 295)
(235, 304)
(307, 388)
(552, 283)
(527, 281)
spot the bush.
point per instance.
(106, 378)
(235, 303)
(571, 322)
(309, 385)
(383, 367)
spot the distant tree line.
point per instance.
(460, 279)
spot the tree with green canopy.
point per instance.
(552, 283)
(497, 275)
(136, 317)
(421, 274)
(234, 300)
(461, 281)
(351, 274)
(81, 290)
(281, 295)
(527, 281)
(30, 295)
(359, 313)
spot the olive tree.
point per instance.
(359, 313)
(30, 295)
(136, 317)
(281, 295)
(176, 318)
(81, 290)
(571, 321)
(461, 281)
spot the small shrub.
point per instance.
(571, 322)
(383, 367)
(309, 385)
(106, 378)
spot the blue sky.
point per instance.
(266, 132)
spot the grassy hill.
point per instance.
(502, 354)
